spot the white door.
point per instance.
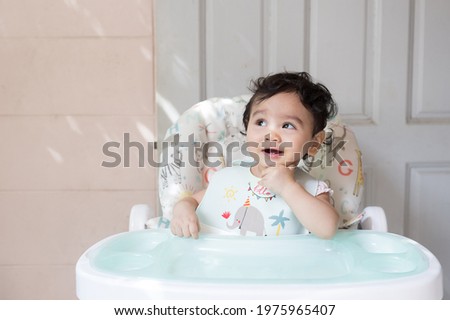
(386, 62)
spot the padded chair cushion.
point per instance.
(339, 164)
(214, 127)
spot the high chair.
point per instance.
(150, 263)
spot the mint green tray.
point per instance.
(351, 256)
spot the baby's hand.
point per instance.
(184, 222)
(277, 179)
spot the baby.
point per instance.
(284, 122)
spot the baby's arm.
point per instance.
(185, 221)
(315, 213)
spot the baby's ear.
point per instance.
(316, 143)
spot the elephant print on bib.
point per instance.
(248, 218)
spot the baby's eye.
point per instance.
(288, 126)
(261, 123)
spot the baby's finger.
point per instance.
(266, 171)
(176, 230)
(185, 231)
(193, 230)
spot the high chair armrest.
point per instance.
(139, 215)
(374, 219)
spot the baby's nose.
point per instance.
(272, 136)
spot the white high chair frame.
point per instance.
(224, 115)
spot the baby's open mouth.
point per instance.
(273, 152)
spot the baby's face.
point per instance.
(279, 130)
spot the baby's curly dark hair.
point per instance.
(315, 97)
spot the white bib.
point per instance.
(235, 203)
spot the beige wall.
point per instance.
(74, 74)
